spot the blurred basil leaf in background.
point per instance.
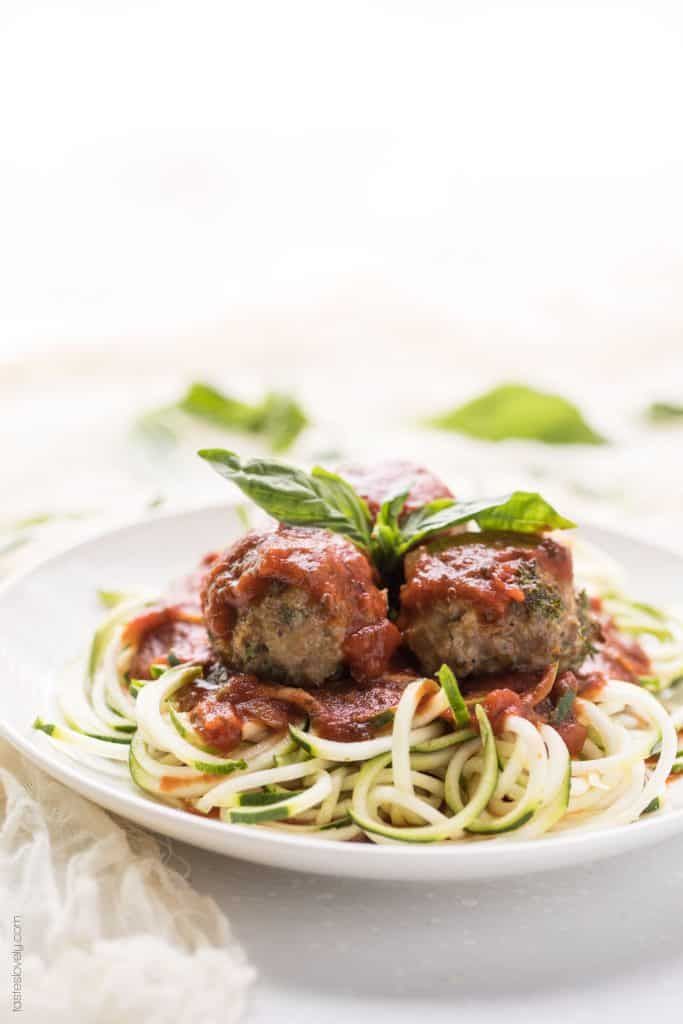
(207, 403)
(277, 418)
(517, 411)
(664, 412)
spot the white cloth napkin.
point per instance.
(101, 927)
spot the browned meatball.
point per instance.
(377, 482)
(486, 602)
(298, 605)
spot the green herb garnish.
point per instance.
(381, 719)
(519, 512)
(292, 496)
(516, 411)
(564, 707)
(539, 597)
(325, 500)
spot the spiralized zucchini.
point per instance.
(659, 631)
(428, 780)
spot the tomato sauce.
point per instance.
(535, 697)
(326, 565)
(616, 656)
(343, 711)
(369, 651)
(221, 702)
(173, 627)
(484, 574)
(173, 638)
(349, 712)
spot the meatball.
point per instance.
(298, 605)
(492, 602)
(376, 483)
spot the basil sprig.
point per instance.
(290, 495)
(323, 499)
(519, 512)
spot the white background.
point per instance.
(512, 170)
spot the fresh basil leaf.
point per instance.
(391, 508)
(519, 512)
(522, 512)
(386, 533)
(295, 497)
(342, 496)
(323, 499)
(516, 411)
(664, 412)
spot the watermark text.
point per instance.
(16, 963)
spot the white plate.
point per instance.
(47, 618)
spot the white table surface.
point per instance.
(589, 944)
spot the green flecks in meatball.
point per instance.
(292, 616)
(253, 651)
(539, 598)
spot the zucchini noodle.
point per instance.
(427, 780)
